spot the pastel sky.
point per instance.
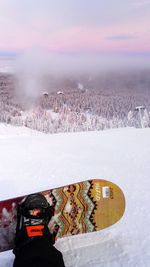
(74, 26)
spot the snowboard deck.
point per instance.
(82, 207)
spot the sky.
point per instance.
(75, 26)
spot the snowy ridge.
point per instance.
(7, 65)
(31, 162)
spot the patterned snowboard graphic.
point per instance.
(79, 208)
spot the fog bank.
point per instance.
(34, 66)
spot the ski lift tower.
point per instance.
(139, 109)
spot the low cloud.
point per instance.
(33, 66)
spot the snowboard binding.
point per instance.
(33, 216)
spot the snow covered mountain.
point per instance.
(31, 161)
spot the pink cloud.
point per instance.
(79, 38)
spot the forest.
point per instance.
(69, 104)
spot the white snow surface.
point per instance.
(31, 161)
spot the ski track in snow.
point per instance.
(32, 161)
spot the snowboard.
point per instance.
(82, 207)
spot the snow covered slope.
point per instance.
(30, 161)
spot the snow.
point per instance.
(80, 86)
(7, 65)
(32, 161)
